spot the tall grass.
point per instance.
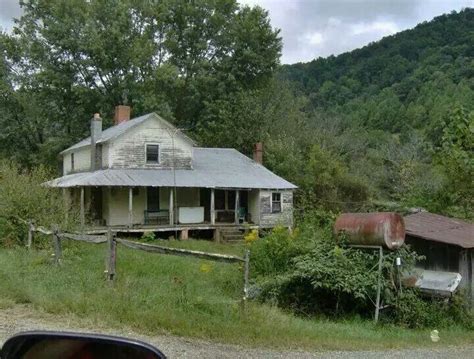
(156, 294)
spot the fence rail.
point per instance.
(83, 238)
(179, 252)
(112, 241)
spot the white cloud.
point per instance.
(379, 27)
(319, 28)
(315, 38)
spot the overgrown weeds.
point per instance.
(313, 272)
(24, 196)
(156, 294)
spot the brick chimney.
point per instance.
(258, 153)
(122, 114)
(96, 133)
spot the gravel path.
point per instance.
(20, 318)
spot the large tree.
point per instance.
(66, 60)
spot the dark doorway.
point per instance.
(96, 203)
(205, 201)
(153, 199)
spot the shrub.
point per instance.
(327, 278)
(272, 254)
(411, 310)
(251, 237)
(313, 272)
(23, 195)
(148, 236)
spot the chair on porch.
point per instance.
(242, 215)
(157, 217)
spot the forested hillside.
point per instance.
(403, 82)
(386, 126)
(390, 106)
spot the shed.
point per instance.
(447, 243)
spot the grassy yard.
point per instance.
(156, 294)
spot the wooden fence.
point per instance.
(112, 241)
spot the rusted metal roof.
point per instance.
(434, 227)
(212, 168)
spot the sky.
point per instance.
(320, 28)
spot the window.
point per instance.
(72, 162)
(276, 202)
(152, 153)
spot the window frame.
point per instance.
(279, 210)
(72, 162)
(152, 163)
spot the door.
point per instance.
(96, 205)
(153, 199)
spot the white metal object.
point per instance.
(190, 215)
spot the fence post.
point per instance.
(246, 274)
(31, 229)
(111, 255)
(379, 285)
(57, 246)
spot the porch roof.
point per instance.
(212, 168)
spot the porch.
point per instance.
(139, 209)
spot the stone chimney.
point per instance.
(258, 153)
(122, 114)
(96, 133)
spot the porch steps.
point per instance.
(231, 235)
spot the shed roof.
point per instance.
(212, 168)
(434, 227)
(117, 130)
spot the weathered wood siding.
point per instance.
(283, 218)
(82, 161)
(446, 257)
(118, 206)
(187, 197)
(115, 203)
(129, 150)
(105, 155)
(254, 206)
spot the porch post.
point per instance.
(83, 212)
(130, 206)
(66, 204)
(213, 211)
(237, 195)
(171, 206)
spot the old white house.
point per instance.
(145, 174)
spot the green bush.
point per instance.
(412, 310)
(273, 254)
(24, 196)
(313, 272)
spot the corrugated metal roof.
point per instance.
(434, 227)
(117, 130)
(212, 168)
(433, 282)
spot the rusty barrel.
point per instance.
(385, 229)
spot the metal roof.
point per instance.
(434, 227)
(433, 282)
(117, 130)
(212, 168)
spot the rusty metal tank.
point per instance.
(385, 229)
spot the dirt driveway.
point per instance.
(21, 317)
